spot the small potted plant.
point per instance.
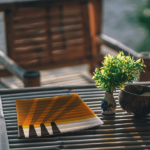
(113, 74)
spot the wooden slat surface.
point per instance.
(64, 76)
(52, 29)
(121, 132)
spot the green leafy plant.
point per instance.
(116, 71)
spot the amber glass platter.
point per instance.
(53, 115)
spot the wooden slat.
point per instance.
(30, 21)
(76, 39)
(30, 55)
(55, 65)
(71, 8)
(34, 43)
(29, 40)
(145, 76)
(25, 28)
(33, 58)
(96, 14)
(55, 21)
(26, 37)
(65, 57)
(58, 57)
(68, 10)
(28, 15)
(51, 79)
(98, 4)
(92, 23)
(66, 35)
(87, 39)
(64, 23)
(30, 48)
(33, 26)
(58, 45)
(72, 37)
(33, 7)
(28, 62)
(70, 16)
(9, 32)
(78, 54)
(65, 18)
(33, 62)
(67, 49)
(44, 60)
(49, 57)
(108, 144)
(66, 28)
(29, 33)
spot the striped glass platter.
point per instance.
(53, 115)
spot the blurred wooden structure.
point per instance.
(29, 78)
(146, 76)
(49, 34)
(75, 75)
(45, 34)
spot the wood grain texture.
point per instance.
(86, 31)
(92, 24)
(53, 27)
(9, 13)
(121, 132)
(145, 76)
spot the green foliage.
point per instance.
(116, 71)
(141, 18)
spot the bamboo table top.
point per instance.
(121, 132)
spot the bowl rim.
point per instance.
(134, 93)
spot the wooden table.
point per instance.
(120, 132)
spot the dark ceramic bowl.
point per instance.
(131, 100)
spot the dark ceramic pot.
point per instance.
(131, 100)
